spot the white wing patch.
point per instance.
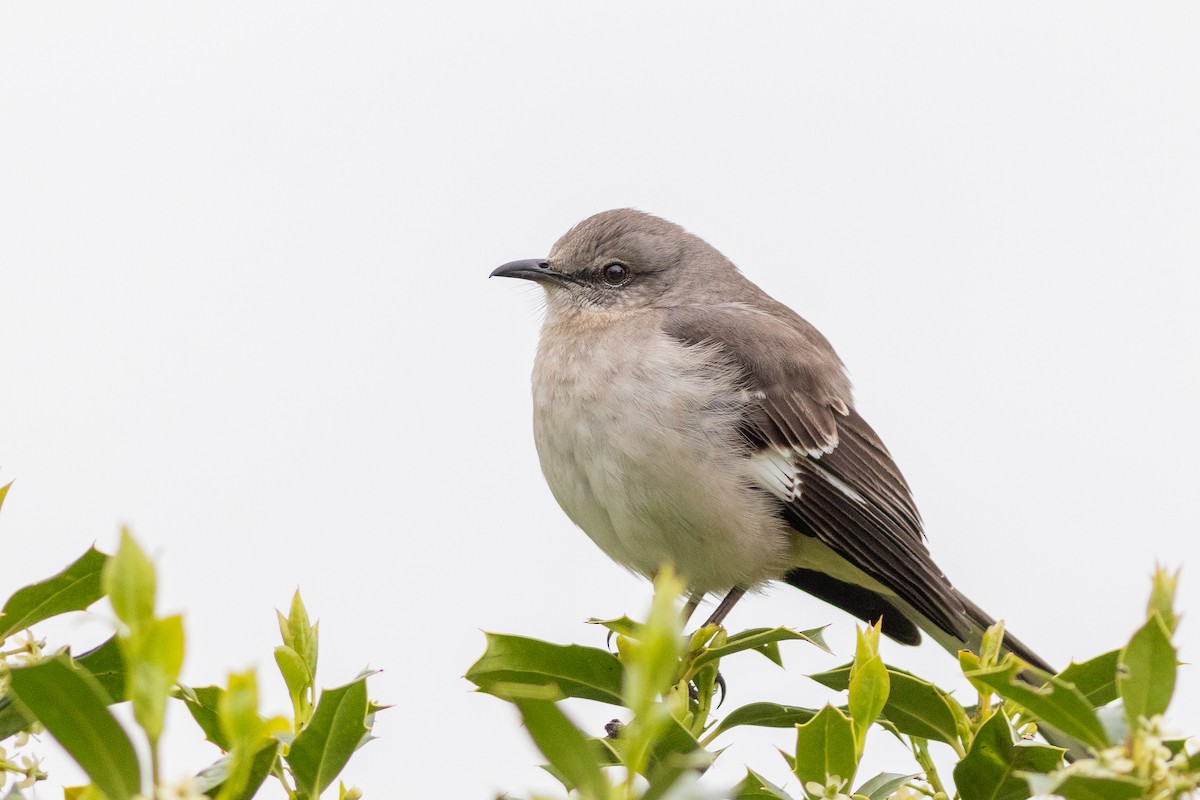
(775, 471)
(838, 483)
(817, 452)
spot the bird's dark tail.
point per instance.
(902, 622)
(1012, 644)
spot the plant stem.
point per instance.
(154, 766)
(921, 754)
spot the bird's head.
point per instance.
(623, 260)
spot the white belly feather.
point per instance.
(653, 476)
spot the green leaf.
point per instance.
(323, 747)
(71, 704)
(868, 696)
(652, 661)
(106, 666)
(240, 726)
(825, 747)
(1085, 787)
(989, 770)
(766, 715)
(156, 656)
(203, 703)
(672, 752)
(1096, 678)
(968, 662)
(1146, 672)
(4, 492)
(883, 785)
(602, 751)
(73, 589)
(577, 671)
(1162, 598)
(764, 640)
(211, 779)
(915, 707)
(1175, 746)
(128, 580)
(1060, 704)
(564, 746)
(296, 675)
(12, 718)
(299, 635)
(237, 709)
(622, 625)
(88, 792)
(756, 787)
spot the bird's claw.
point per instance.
(694, 693)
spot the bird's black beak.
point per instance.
(531, 269)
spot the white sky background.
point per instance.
(244, 309)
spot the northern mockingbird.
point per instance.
(683, 416)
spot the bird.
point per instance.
(683, 416)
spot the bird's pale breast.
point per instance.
(632, 428)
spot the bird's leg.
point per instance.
(716, 618)
(725, 606)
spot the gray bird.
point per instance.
(683, 416)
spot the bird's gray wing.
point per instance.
(833, 476)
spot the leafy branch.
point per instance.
(70, 697)
(1107, 712)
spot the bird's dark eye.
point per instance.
(615, 273)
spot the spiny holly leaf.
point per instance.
(825, 748)
(204, 703)
(1096, 678)
(73, 589)
(990, 769)
(914, 706)
(756, 787)
(1146, 672)
(1060, 704)
(764, 640)
(766, 715)
(323, 747)
(576, 671)
(622, 625)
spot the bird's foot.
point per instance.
(719, 682)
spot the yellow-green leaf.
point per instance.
(155, 658)
(825, 748)
(129, 583)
